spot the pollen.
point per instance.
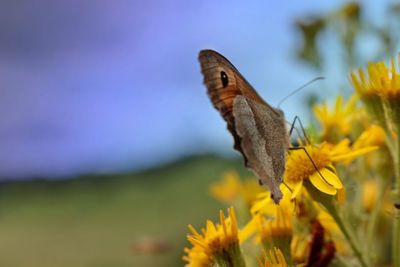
(299, 166)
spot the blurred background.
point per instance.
(108, 139)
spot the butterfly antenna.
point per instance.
(300, 88)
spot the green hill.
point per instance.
(109, 220)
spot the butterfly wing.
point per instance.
(264, 141)
(224, 84)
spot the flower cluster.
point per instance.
(348, 176)
(218, 243)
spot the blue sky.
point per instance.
(105, 86)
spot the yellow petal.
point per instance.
(297, 189)
(341, 148)
(260, 204)
(193, 230)
(281, 258)
(232, 216)
(321, 185)
(210, 227)
(249, 229)
(331, 178)
(354, 153)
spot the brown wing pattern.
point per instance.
(213, 65)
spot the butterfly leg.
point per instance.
(292, 127)
(312, 161)
(288, 187)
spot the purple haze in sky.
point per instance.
(103, 86)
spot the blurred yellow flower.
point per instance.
(369, 194)
(232, 189)
(319, 171)
(380, 80)
(274, 258)
(374, 135)
(379, 88)
(217, 242)
(337, 122)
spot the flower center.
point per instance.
(299, 166)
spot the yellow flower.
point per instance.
(227, 189)
(272, 222)
(196, 257)
(231, 189)
(274, 259)
(216, 243)
(320, 172)
(369, 194)
(280, 226)
(379, 88)
(264, 206)
(380, 80)
(372, 136)
(277, 231)
(339, 121)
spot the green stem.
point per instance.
(396, 218)
(232, 257)
(348, 235)
(340, 262)
(393, 145)
(396, 239)
(396, 163)
(373, 219)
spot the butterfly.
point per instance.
(259, 130)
